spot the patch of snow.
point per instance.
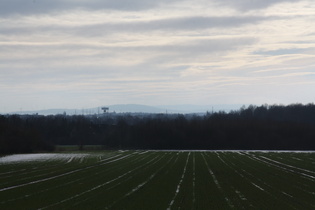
(106, 183)
(257, 186)
(38, 157)
(140, 185)
(273, 163)
(290, 166)
(238, 151)
(38, 181)
(217, 183)
(287, 194)
(194, 180)
(179, 184)
(240, 195)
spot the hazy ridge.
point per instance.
(138, 108)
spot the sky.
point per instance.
(89, 53)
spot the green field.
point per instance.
(159, 180)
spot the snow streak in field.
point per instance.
(240, 174)
(141, 184)
(179, 184)
(271, 177)
(240, 195)
(145, 182)
(194, 181)
(300, 186)
(38, 192)
(29, 173)
(211, 173)
(217, 182)
(39, 157)
(268, 189)
(60, 175)
(247, 174)
(167, 171)
(152, 161)
(38, 181)
(269, 186)
(293, 167)
(98, 186)
(306, 176)
(47, 189)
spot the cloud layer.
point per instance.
(79, 54)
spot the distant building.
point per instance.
(105, 109)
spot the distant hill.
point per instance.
(190, 108)
(137, 108)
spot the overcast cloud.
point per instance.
(84, 53)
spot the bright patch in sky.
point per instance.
(83, 53)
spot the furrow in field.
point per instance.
(46, 174)
(194, 181)
(303, 175)
(176, 159)
(299, 160)
(239, 194)
(272, 192)
(16, 199)
(143, 152)
(163, 180)
(292, 194)
(34, 174)
(137, 187)
(101, 185)
(12, 172)
(179, 184)
(38, 181)
(141, 185)
(159, 190)
(289, 166)
(248, 174)
(217, 183)
(298, 184)
(244, 176)
(212, 174)
(52, 169)
(137, 170)
(25, 172)
(61, 175)
(153, 161)
(68, 183)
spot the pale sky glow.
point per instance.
(89, 53)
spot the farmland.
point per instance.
(158, 180)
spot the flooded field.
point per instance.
(159, 180)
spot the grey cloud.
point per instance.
(27, 7)
(202, 46)
(169, 24)
(199, 22)
(245, 5)
(52, 57)
(183, 23)
(189, 46)
(309, 50)
(185, 52)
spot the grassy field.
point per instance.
(158, 180)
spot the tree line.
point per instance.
(265, 127)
